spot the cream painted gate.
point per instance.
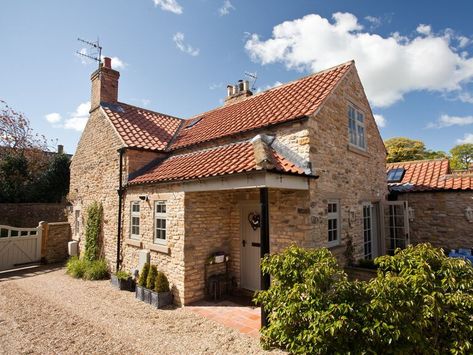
(19, 246)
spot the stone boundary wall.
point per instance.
(360, 273)
(54, 244)
(28, 215)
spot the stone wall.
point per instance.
(55, 239)
(439, 218)
(347, 174)
(94, 177)
(30, 214)
(359, 273)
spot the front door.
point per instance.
(250, 246)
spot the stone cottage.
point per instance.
(440, 201)
(300, 163)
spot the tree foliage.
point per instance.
(406, 149)
(462, 156)
(420, 302)
(93, 231)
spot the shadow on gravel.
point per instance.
(30, 271)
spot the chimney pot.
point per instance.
(107, 62)
(229, 90)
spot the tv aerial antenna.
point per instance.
(93, 53)
(254, 77)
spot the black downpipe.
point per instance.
(120, 198)
(264, 238)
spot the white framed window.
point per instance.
(356, 128)
(160, 222)
(135, 220)
(333, 219)
(368, 230)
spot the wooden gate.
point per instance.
(19, 246)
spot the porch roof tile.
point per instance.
(222, 160)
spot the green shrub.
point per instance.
(92, 231)
(96, 270)
(143, 275)
(420, 302)
(162, 283)
(151, 279)
(76, 267)
(122, 275)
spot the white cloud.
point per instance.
(83, 59)
(226, 8)
(267, 87)
(467, 138)
(53, 117)
(375, 21)
(389, 66)
(215, 86)
(424, 29)
(117, 63)
(178, 39)
(169, 5)
(78, 119)
(463, 41)
(447, 121)
(380, 120)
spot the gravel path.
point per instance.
(52, 313)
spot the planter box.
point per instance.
(147, 295)
(139, 293)
(127, 284)
(161, 299)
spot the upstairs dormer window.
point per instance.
(356, 128)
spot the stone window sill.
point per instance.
(159, 248)
(134, 243)
(358, 151)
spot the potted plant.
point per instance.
(161, 295)
(140, 287)
(150, 281)
(122, 280)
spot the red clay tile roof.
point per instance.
(428, 175)
(284, 103)
(140, 128)
(222, 160)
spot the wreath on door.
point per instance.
(255, 220)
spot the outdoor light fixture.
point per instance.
(469, 214)
(144, 197)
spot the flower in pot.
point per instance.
(150, 282)
(140, 287)
(161, 296)
(122, 280)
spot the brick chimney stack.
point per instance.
(238, 92)
(104, 84)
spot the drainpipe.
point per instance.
(264, 238)
(120, 192)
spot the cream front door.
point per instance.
(250, 246)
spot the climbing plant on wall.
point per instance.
(92, 231)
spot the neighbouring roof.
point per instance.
(146, 129)
(429, 175)
(222, 160)
(140, 128)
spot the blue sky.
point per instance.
(415, 58)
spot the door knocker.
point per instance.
(255, 220)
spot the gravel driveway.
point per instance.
(52, 313)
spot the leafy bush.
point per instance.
(96, 270)
(420, 302)
(143, 275)
(162, 283)
(122, 275)
(76, 267)
(87, 270)
(151, 279)
(92, 231)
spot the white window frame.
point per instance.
(368, 231)
(160, 216)
(135, 214)
(355, 138)
(333, 216)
